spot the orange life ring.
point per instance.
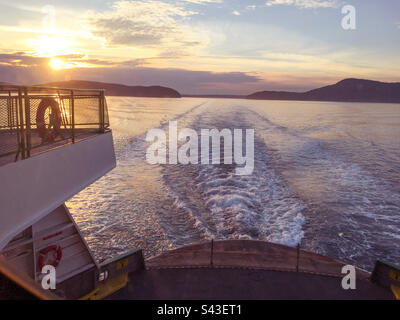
(45, 251)
(44, 133)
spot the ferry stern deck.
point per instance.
(245, 270)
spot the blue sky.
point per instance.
(199, 46)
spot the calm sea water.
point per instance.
(326, 176)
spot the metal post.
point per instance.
(17, 127)
(21, 123)
(64, 118)
(28, 122)
(212, 254)
(73, 116)
(11, 102)
(103, 104)
(101, 110)
(9, 112)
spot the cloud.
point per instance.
(142, 24)
(185, 81)
(21, 59)
(204, 1)
(236, 13)
(133, 72)
(304, 4)
(24, 59)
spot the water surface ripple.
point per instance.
(326, 176)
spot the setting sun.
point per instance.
(45, 46)
(59, 64)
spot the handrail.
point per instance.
(8, 87)
(29, 122)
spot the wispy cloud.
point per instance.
(25, 59)
(142, 23)
(21, 59)
(204, 1)
(304, 3)
(185, 81)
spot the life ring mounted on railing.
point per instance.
(48, 134)
(55, 250)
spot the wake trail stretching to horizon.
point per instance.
(318, 180)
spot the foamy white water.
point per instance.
(325, 176)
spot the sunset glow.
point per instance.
(45, 46)
(202, 46)
(59, 64)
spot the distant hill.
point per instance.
(112, 89)
(217, 96)
(348, 90)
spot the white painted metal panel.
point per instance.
(32, 188)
